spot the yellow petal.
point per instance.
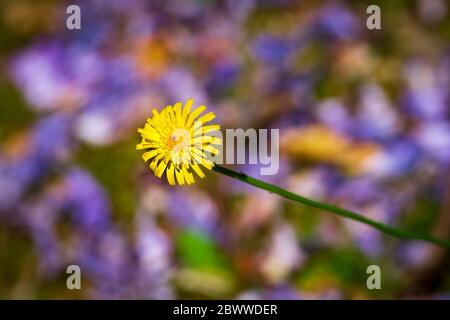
(177, 108)
(194, 115)
(160, 169)
(153, 164)
(149, 133)
(155, 114)
(211, 149)
(207, 117)
(205, 139)
(187, 176)
(207, 129)
(204, 162)
(197, 170)
(143, 145)
(170, 175)
(187, 110)
(179, 176)
(150, 154)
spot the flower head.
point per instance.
(178, 142)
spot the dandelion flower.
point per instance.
(178, 142)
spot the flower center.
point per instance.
(178, 139)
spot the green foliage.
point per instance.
(196, 250)
(113, 166)
(14, 112)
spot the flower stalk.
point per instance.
(399, 233)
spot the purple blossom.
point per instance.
(427, 103)
(106, 260)
(37, 71)
(376, 117)
(194, 210)
(39, 218)
(154, 251)
(51, 140)
(335, 22)
(222, 77)
(13, 182)
(413, 254)
(272, 50)
(434, 139)
(335, 115)
(395, 159)
(86, 202)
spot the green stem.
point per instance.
(328, 207)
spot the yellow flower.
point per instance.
(178, 142)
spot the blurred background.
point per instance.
(364, 124)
